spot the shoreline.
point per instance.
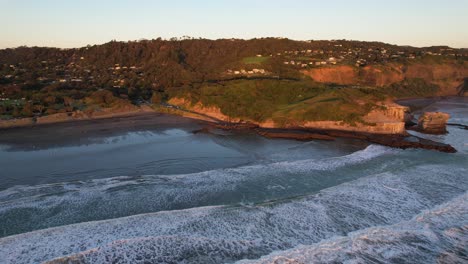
(390, 140)
(401, 140)
(68, 117)
(83, 132)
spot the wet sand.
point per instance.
(68, 133)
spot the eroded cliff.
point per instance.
(447, 76)
(388, 118)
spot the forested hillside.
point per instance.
(38, 81)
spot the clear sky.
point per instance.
(76, 23)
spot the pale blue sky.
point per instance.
(66, 23)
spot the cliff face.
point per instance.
(433, 122)
(389, 119)
(448, 76)
(208, 113)
(344, 75)
(75, 116)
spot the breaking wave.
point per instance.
(27, 208)
(439, 235)
(228, 233)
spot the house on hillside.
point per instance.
(361, 63)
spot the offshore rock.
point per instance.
(433, 122)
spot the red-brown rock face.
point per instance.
(433, 122)
(448, 76)
(345, 75)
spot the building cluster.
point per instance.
(75, 72)
(4, 97)
(247, 72)
(76, 69)
(335, 54)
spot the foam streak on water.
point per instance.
(377, 205)
(27, 208)
(230, 233)
(439, 235)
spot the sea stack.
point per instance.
(433, 122)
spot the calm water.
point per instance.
(160, 193)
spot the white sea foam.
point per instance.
(370, 152)
(67, 203)
(439, 235)
(220, 233)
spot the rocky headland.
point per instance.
(387, 127)
(433, 123)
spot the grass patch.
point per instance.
(255, 60)
(412, 88)
(5, 117)
(286, 102)
(11, 103)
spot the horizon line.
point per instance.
(182, 38)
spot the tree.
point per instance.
(156, 98)
(27, 109)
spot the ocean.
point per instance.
(156, 192)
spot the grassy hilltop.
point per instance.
(259, 79)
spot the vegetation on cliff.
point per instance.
(256, 79)
(411, 88)
(284, 101)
